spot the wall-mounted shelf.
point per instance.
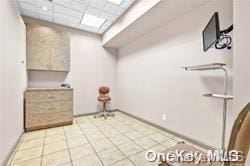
(228, 97)
(225, 97)
(212, 66)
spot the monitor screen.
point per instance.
(211, 32)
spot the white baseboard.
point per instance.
(7, 159)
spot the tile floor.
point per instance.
(118, 141)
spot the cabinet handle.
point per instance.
(51, 97)
(52, 108)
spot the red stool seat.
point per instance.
(104, 98)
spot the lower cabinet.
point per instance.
(46, 108)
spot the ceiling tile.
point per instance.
(60, 16)
(46, 3)
(105, 15)
(92, 11)
(97, 3)
(61, 9)
(46, 12)
(76, 14)
(30, 13)
(70, 12)
(66, 3)
(82, 1)
(110, 7)
(26, 6)
(78, 6)
(32, 2)
(74, 20)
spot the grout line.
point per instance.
(122, 133)
(185, 138)
(36, 146)
(45, 132)
(135, 139)
(126, 157)
(56, 142)
(154, 132)
(25, 150)
(90, 143)
(108, 123)
(71, 161)
(134, 143)
(18, 146)
(143, 135)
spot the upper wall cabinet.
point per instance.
(47, 48)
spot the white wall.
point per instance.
(241, 55)
(1, 59)
(91, 67)
(145, 16)
(151, 82)
(13, 76)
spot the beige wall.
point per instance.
(91, 66)
(151, 82)
(13, 76)
(241, 56)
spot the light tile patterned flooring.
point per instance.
(118, 141)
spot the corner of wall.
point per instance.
(13, 76)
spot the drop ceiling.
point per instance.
(72, 13)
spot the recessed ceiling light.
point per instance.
(92, 21)
(118, 2)
(44, 8)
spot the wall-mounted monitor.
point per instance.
(211, 32)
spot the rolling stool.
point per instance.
(104, 98)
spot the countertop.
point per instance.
(48, 89)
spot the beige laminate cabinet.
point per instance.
(47, 48)
(46, 108)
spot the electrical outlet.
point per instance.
(164, 117)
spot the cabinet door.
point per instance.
(60, 52)
(47, 48)
(38, 47)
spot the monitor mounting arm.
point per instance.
(226, 31)
(224, 40)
